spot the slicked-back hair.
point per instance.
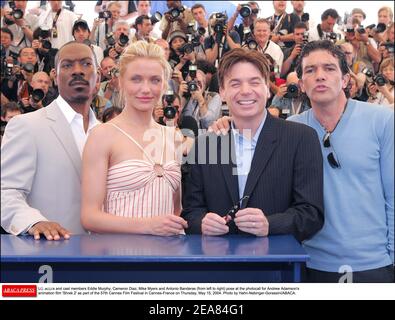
(324, 45)
(243, 55)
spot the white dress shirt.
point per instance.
(64, 25)
(76, 122)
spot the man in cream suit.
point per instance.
(41, 153)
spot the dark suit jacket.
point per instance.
(285, 180)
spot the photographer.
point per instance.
(386, 48)
(15, 86)
(104, 24)
(197, 102)
(117, 41)
(265, 45)
(364, 47)
(325, 30)
(289, 98)
(282, 24)
(143, 28)
(199, 14)
(109, 87)
(81, 34)
(177, 18)
(182, 54)
(382, 91)
(20, 23)
(8, 51)
(60, 22)
(303, 16)
(39, 93)
(221, 40)
(46, 54)
(8, 111)
(249, 13)
(291, 55)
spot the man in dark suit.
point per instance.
(274, 165)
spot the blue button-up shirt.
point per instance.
(244, 151)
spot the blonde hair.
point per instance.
(142, 49)
(388, 62)
(388, 10)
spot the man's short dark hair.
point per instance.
(325, 45)
(69, 43)
(138, 1)
(300, 25)
(8, 31)
(329, 13)
(9, 107)
(140, 19)
(197, 6)
(205, 66)
(243, 55)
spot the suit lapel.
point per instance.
(266, 144)
(62, 131)
(229, 169)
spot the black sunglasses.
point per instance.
(334, 163)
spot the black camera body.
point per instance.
(380, 80)
(15, 13)
(110, 39)
(114, 73)
(220, 21)
(305, 17)
(123, 40)
(292, 91)
(192, 85)
(176, 12)
(368, 73)
(333, 36)
(38, 95)
(169, 111)
(105, 15)
(246, 10)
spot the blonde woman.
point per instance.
(131, 172)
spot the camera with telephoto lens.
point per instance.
(123, 40)
(156, 17)
(292, 91)
(105, 15)
(169, 111)
(176, 12)
(380, 80)
(110, 39)
(220, 21)
(44, 36)
(249, 39)
(192, 85)
(15, 13)
(305, 17)
(37, 95)
(380, 28)
(246, 10)
(368, 73)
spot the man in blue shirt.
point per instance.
(275, 166)
(356, 243)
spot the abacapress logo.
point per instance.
(19, 290)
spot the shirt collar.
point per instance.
(240, 137)
(70, 113)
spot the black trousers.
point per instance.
(379, 275)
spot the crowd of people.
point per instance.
(172, 122)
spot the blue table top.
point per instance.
(145, 248)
